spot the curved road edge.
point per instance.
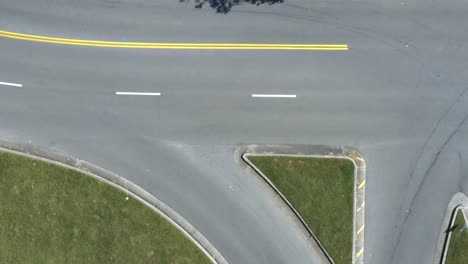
(458, 202)
(120, 183)
(320, 151)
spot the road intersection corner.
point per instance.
(130, 188)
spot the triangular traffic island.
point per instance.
(321, 191)
(457, 239)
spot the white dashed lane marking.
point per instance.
(274, 95)
(11, 84)
(137, 93)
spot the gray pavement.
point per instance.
(396, 95)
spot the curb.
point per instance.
(458, 202)
(138, 193)
(318, 151)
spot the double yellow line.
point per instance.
(163, 45)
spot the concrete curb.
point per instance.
(242, 153)
(458, 202)
(133, 190)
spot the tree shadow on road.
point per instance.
(224, 6)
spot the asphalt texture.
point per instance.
(399, 95)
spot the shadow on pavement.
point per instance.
(224, 6)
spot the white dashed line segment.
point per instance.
(274, 95)
(135, 93)
(11, 84)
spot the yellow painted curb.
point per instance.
(359, 253)
(363, 183)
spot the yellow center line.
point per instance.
(170, 45)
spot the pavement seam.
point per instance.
(318, 151)
(133, 190)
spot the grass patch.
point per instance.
(321, 190)
(50, 214)
(458, 247)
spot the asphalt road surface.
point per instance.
(398, 95)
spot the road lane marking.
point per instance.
(359, 253)
(137, 93)
(11, 84)
(363, 183)
(168, 45)
(274, 95)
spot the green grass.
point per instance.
(322, 192)
(458, 247)
(49, 214)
